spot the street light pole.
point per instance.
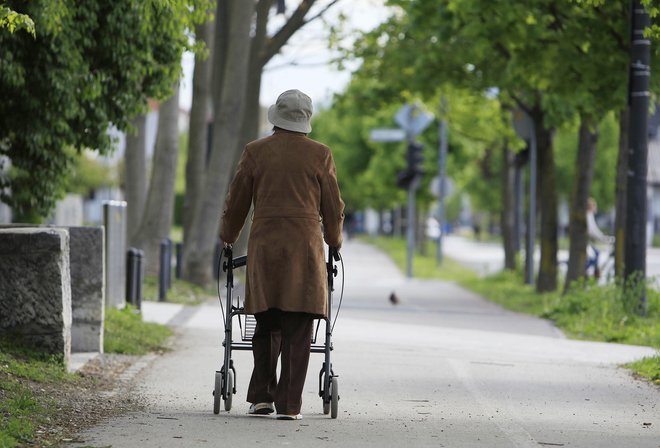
(636, 209)
(410, 212)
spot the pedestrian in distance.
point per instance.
(291, 181)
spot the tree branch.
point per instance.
(323, 11)
(620, 40)
(262, 10)
(295, 22)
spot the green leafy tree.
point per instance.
(91, 65)
(88, 174)
(13, 21)
(555, 60)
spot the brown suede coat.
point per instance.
(292, 182)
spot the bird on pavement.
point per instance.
(394, 299)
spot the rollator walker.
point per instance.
(225, 378)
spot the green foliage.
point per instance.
(92, 64)
(180, 183)
(125, 332)
(366, 171)
(487, 57)
(607, 148)
(13, 21)
(88, 174)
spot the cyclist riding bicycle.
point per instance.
(595, 236)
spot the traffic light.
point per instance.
(404, 178)
(415, 168)
(416, 158)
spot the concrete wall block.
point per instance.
(115, 253)
(35, 287)
(87, 257)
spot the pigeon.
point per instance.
(394, 298)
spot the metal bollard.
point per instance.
(162, 274)
(139, 278)
(169, 263)
(179, 260)
(131, 275)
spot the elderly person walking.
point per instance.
(292, 182)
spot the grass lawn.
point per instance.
(181, 292)
(588, 312)
(21, 411)
(126, 333)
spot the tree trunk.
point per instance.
(547, 188)
(198, 142)
(220, 46)
(250, 128)
(577, 227)
(157, 219)
(230, 105)
(621, 201)
(508, 208)
(236, 83)
(135, 168)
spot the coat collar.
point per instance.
(287, 132)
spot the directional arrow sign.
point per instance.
(387, 135)
(413, 119)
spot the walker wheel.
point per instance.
(334, 397)
(217, 392)
(230, 390)
(326, 407)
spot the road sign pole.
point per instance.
(413, 120)
(410, 228)
(442, 168)
(524, 127)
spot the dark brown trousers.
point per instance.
(289, 334)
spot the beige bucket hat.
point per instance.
(292, 111)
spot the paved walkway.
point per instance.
(488, 257)
(441, 368)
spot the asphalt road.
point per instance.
(443, 368)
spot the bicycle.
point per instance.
(603, 272)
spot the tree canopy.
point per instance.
(91, 65)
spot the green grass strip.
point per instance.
(20, 411)
(181, 292)
(126, 333)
